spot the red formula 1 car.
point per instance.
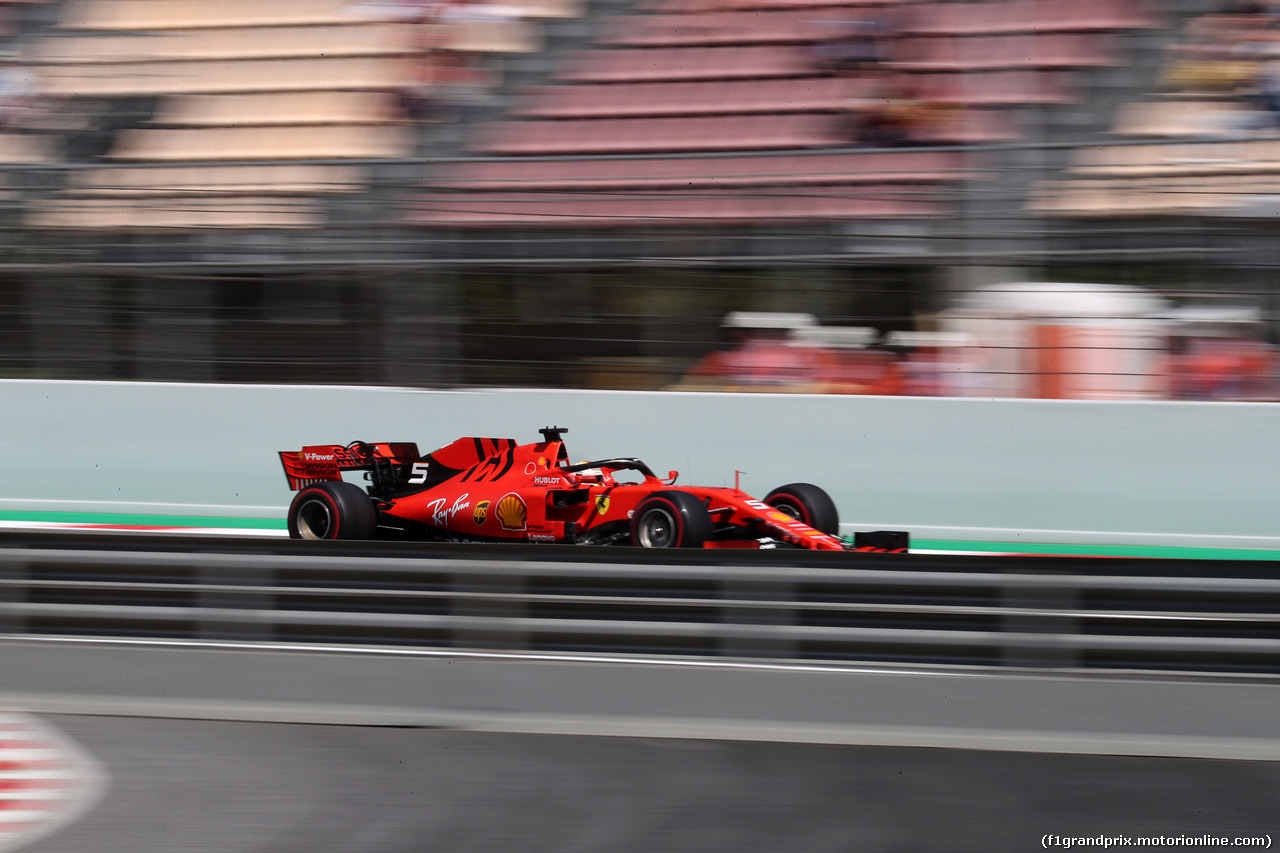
(494, 490)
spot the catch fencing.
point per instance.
(333, 277)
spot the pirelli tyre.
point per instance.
(670, 519)
(807, 503)
(332, 510)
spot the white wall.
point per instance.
(1042, 470)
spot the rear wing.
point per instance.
(319, 462)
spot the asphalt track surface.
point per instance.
(214, 786)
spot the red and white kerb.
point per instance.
(46, 780)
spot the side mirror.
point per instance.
(671, 477)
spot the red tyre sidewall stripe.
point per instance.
(678, 518)
(798, 504)
(334, 518)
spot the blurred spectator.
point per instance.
(1224, 369)
(768, 363)
(887, 126)
(846, 363)
(886, 114)
(460, 86)
(448, 86)
(791, 352)
(420, 96)
(928, 373)
(935, 364)
(763, 357)
(850, 45)
(1265, 92)
(872, 371)
(18, 95)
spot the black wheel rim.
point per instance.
(657, 529)
(790, 509)
(315, 520)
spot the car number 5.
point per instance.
(419, 475)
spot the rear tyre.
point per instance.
(332, 510)
(670, 519)
(807, 503)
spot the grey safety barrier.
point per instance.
(784, 606)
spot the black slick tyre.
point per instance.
(332, 510)
(807, 503)
(670, 519)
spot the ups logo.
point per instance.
(480, 513)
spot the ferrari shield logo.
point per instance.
(480, 513)
(602, 504)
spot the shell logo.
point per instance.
(780, 516)
(511, 512)
(480, 513)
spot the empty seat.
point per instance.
(192, 14)
(994, 16)
(21, 149)
(617, 136)
(697, 63)
(768, 26)
(1022, 50)
(990, 88)
(264, 143)
(1174, 159)
(670, 209)
(1162, 196)
(189, 14)
(964, 127)
(548, 8)
(694, 6)
(1182, 118)
(1026, 16)
(157, 214)
(497, 36)
(209, 76)
(793, 94)
(278, 108)
(1071, 198)
(839, 168)
(349, 39)
(1062, 15)
(275, 179)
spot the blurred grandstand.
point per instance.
(591, 193)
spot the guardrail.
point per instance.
(785, 606)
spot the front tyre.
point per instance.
(670, 519)
(808, 504)
(331, 509)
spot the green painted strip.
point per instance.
(131, 520)
(1163, 551)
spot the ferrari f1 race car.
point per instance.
(494, 490)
